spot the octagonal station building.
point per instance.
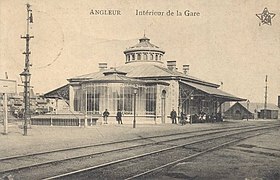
(158, 90)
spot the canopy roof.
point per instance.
(213, 91)
(59, 93)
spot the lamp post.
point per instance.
(25, 75)
(135, 89)
(25, 78)
(191, 98)
(248, 102)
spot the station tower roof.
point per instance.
(144, 51)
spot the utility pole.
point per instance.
(222, 106)
(25, 75)
(265, 99)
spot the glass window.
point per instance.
(138, 56)
(127, 57)
(77, 100)
(95, 98)
(145, 56)
(150, 100)
(128, 100)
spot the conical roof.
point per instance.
(144, 45)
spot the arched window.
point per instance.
(156, 57)
(138, 56)
(160, 57)
(133, 57)
(151, 57)
(163, 94)
(145, 56)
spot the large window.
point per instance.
(150, 100)
(94, 95)
(77, 100)
(128, 100)
(96, 98)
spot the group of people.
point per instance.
(203, 117)
(118, 116)
(196, 118)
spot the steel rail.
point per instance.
(153, 152)
(112, 142)
(191, 156)
(118, 149)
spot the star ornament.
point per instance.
(265, 17)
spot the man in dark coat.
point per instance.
(119, 117)
(173, 116)
(105, 116)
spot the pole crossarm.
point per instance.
(27, 37)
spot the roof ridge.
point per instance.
(164, 69)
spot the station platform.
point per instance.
(43, 138)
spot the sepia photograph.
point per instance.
(139, 89)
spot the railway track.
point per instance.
(146, 165)
(41, 164)
(113, 143)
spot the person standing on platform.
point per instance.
(183, 118)
(119, 117)
(105, 116)
(173, 116)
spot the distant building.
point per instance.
(269, 113)
(38, 104)
(242, 110)
(238, 111)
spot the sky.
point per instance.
(224, 44)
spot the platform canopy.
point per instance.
(59, 93)
(213, 91)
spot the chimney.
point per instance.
(102, 66)
(186, 69)
(279, 101)
(171, 65)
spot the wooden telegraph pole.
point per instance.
(265, 99)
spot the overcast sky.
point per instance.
(224, 44)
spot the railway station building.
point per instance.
(144, 84)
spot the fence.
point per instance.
(48, 121)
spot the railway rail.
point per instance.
(112, 142)
(110, 154)
(151, 162)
